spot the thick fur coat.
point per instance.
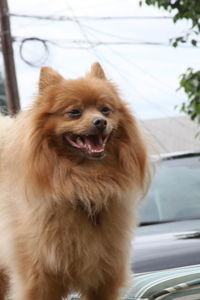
(69, 185)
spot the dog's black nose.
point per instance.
(100, 123)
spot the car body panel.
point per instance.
(168, 245)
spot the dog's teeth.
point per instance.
(79, 141)
(96, 151)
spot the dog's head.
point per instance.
(75, 120)
(81, 115)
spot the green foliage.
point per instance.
(182, 9)
(190, 81)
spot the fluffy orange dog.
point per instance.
(73, 166)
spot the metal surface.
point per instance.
(158, 247)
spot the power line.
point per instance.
(82, 30)
(107, 33)
(93, 43)
(90, 18)
(146, 72)
(42, 60)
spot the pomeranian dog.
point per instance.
(72, 168)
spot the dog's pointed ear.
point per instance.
(48, 76)
(97, 71)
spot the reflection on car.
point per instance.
(169, 231)
(179, 283)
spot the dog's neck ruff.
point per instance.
(93, 215)
(96, 218)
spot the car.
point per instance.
(168, 235)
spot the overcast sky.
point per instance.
(147, 75)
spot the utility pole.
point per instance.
(12, 95)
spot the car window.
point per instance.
(174, 193)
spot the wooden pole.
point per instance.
(12, 95)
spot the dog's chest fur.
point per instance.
(78, 239)
(89, 229)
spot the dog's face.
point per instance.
(82, 115)
(76, 120)
(88, 126)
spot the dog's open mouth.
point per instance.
(92, 145)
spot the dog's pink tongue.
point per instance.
(94, 143)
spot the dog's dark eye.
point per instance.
(105, 110)
(74, 113)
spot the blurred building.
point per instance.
(174, 134)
